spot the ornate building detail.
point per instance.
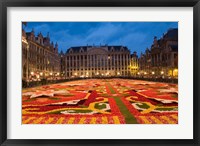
(40, 59)
(162, 58)
(134, 64)
(97, 61)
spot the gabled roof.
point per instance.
(77, 48)
(172, 34)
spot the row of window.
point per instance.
(97, 69)
(89, 64)
(92, 57)
(69, 74)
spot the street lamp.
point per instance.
(175, 72)
(51, 75)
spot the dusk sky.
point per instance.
(137, 36)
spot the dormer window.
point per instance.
(122, 49)
(112, 49)
(70, 51)
(81, 50)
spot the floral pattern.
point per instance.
(101, 101)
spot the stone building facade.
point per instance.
(41, 60)
(25, 55)
(134, 64)
(40, 57)
(62, 65)
(145, 62)
(97, 61)
(162, 58)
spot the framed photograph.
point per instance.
(99, 72)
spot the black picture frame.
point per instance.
(4, 4)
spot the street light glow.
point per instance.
(162, 72)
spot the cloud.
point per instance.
(137, 36)
(43, 28)
(132, 40)
(94, 35)
(103, 32)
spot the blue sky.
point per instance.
(137, 36)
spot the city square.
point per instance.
(70, 77)
(101, 101)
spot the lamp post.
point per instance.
(153, 74)
(51, 75)
(162, 74)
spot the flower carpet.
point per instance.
(101, 101)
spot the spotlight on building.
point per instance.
(41, 73)
(118, 73)
(138, 73)
(107, 73)
(175, 70)
(75, 74)
(153, 73)
(51, 73)
(97, 73)
(38, 76)
(58, 73)
(162, 72)
(32, 73)
(145, 73)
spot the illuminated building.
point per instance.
(40, 58)
(134, 65)
(162, 58)
(97, 61)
